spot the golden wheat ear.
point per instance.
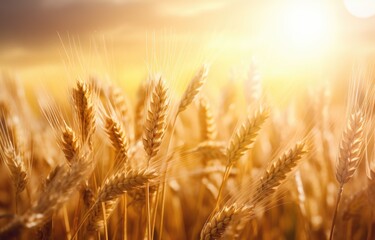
(116, 134)
(242, 140)
(350, 153)
(121, 182)
(155, 124)
(351, 147)
(277, 172)
(219, 223)
(62, 184)
(83, 103)
(59, 188)
(113, 187)
(67, 138)
(12, 153)
(69, 144)
(193, 88)
(206, 121)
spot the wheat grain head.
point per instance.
(350, 148)
(277, 172)
(119, 142)
(216, 226)
(121, 182)
(69, 143)
(82, 97)
(207, 121)
(241, 141)
(155, 125)
(193, 88)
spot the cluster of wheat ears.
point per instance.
(94, 167)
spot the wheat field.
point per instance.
(100, 165)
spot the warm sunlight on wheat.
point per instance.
(186, 120)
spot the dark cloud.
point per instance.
(26, 24)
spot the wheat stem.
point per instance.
(240, 142)
(339, 194)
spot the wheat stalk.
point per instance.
(69, 143)
(116, 134)
(216, 226)
(268, 183)
(240, 142)
(193, 88)
(121, 182)
(82, 97)
(277, 172)
(350, 148)
(116, 185)
(207, 121)
(15, 163)
(59, 190)
(12, 153)
(245, 136)
(350, 151)
(61, 185)
(155, 125)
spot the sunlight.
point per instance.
(360, 8)
(305, 27)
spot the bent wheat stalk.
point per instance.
(219, 223)
(240, 142)
(267, 185)
(116, 185)
(154, 131)
(277, 172)
(350, 151)
(122, 182)
(60, 186)
(193, 88)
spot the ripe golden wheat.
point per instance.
(169, 167)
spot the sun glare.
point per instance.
(360, 8)
(305, 27)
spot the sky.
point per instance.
(293, 41)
